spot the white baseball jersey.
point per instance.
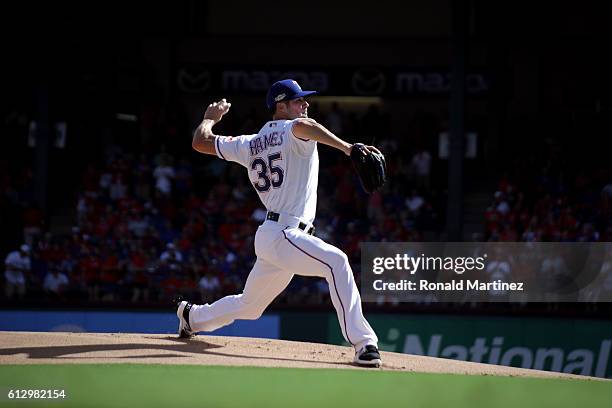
(283, 169)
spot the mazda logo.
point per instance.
(193, 82)
(368, 82)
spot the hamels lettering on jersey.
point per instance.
(258, 145)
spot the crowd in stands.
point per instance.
(561, 201)
(555, 203)
(149, 226)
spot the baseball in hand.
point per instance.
(216, 110)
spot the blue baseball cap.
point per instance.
(285, 90)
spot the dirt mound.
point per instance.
(62, 348)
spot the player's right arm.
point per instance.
(203, 138)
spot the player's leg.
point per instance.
(263, 285)
(306, 255)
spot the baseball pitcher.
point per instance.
(283, 166)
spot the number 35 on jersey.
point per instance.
(269, 172)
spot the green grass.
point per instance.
(132, 385)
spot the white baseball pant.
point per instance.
(283, 251)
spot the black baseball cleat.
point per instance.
(182, 312)
(368, 357)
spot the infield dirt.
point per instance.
(63, 348)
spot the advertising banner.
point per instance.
(196, 78)
(552, 344)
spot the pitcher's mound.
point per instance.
(62, 348)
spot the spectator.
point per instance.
(421, 168)
(106, 179)
(501, 204)
(138, 224)
(553, 275)
(414, 202)
(164, 173)
(17, 265)
(55, 283)
(171, 257)
(209, 286)
(117, 188)
(499, 269)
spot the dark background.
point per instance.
(538, 95)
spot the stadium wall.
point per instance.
(125, 322)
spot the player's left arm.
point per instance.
(307, 128)
(203, 137)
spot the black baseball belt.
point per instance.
(272, 216)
